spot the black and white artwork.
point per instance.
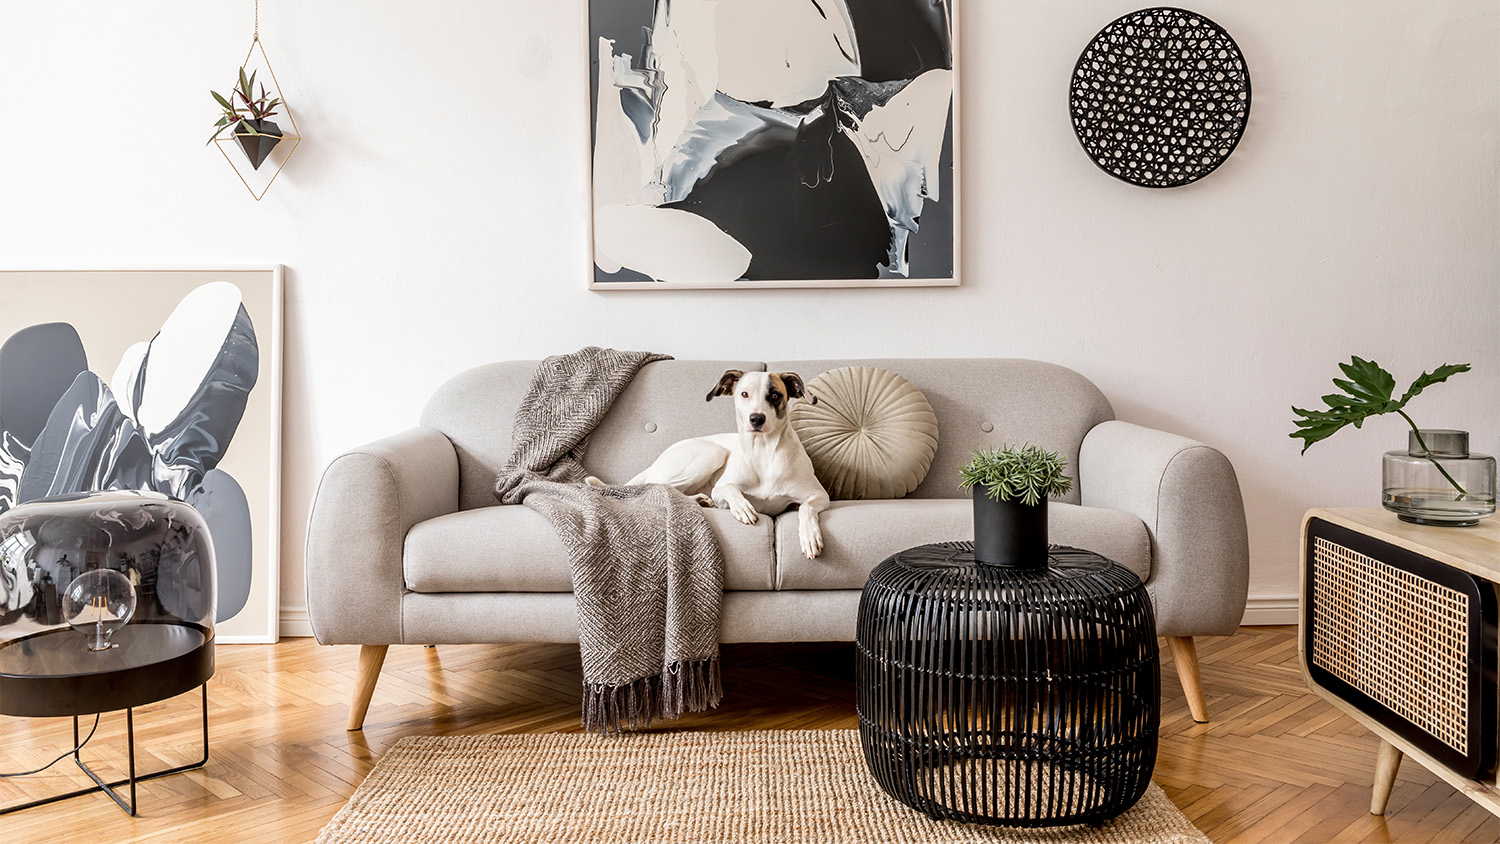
(108, 396)
(766, 143)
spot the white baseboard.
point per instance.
(294, 622)
(1259, 612)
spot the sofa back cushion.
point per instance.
(983, 402)
(665, 403)
(476, 409)
(1016, 400)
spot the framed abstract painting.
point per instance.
(773, 143)
(164, 380)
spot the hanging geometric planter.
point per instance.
(257, 138)
(253, 141)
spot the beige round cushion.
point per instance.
(871, 435)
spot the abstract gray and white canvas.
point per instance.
(165, 381)
(778, 142)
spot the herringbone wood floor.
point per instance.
(1277, 764)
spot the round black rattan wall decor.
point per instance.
(1160, 97)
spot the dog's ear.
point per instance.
(726, 384)
(794, 386)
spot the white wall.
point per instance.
(434, 218)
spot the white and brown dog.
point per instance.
(760, 468)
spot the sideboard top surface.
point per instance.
(1475, 550)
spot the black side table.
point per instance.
(54, 555)
(1008, 696)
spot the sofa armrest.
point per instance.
(1189, 498)
(366, 502)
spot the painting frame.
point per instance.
(948, 205)
(112, 307)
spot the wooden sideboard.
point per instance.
(1398, 629)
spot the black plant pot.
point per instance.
(1009, 533)
(258, 147)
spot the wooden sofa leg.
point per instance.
(1185, 655)
(371, 657)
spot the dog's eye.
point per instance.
(774, 397)
(744, 395)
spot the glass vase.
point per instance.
(1436, 481)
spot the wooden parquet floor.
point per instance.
(1277, 764)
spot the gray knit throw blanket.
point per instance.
(647, 571)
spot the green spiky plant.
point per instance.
(1368, 392)
(243, 105)
(1027, 474)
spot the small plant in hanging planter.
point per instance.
(1011, 486)
(248, 116)
(1434, 480)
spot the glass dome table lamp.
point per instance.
(133, 573)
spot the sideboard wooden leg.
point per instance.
(1387, 763)
(1185, 655)
(371, 657)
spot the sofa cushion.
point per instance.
(476, 409)
(664, 403)
(869, 433)
(990, 402)
(513, 548)
(858, 535)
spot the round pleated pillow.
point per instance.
(871, 434)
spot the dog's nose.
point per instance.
(757, 419)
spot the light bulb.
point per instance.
(97, 603)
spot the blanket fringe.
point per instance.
(688, 686)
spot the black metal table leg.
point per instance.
(109, 787)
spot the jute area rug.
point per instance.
(774, 786)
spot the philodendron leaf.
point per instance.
(1367, 392)
(1437, 376)
(1369, 380)
(1317, 425)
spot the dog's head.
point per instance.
(760, 398)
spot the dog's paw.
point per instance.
(704, 500)
(744, 512)
(595, 482)
(811, 536)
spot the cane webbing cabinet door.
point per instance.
(1398, 629)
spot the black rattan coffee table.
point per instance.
(1008, 696)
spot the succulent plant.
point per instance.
(1026, 474)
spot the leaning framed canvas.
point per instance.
(773, 143)
(160, 379)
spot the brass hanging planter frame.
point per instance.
(292, 136)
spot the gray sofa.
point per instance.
(407, 545)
